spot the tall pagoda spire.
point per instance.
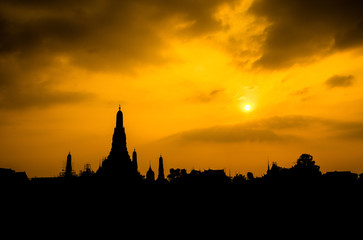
(119, 118)
(118, 163)
(119, 148)
(118, 166)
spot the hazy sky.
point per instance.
(183, 72)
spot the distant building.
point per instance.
(9, 176)
(340, 177)
(209, 176)
(87, 171)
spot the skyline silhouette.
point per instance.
(119, 168)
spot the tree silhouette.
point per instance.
(305, 167)
(177, 175)
(250, 176)
(238, 179)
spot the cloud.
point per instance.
(346, 130)
(24, 95)
(304, 30)
(302, 93)
(339, 81)
(275, 129)
(265, 130)
(96, 35)
(42, 98)
(103, 34)
(226, 134)
(27, 84)
(202, 97)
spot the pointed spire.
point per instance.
(68, 171)
(134, 159)
(119, 117)
(161, 176)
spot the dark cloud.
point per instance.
(339, 81)
(26, 84)
(274, 129)
(304, 30)
(22, 95)
(98, 35)
(102, 34)
(41, 98)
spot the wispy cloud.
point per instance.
(204, 97)
(339, 81)
(274, 129)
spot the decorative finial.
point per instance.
(119, 107)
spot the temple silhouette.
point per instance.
(118, 166)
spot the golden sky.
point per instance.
(183, 72)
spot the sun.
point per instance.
(247, 107)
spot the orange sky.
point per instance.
(183, 72)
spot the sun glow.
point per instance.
(247, 107)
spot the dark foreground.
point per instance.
(107, 210)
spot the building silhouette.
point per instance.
(150, 176)
(10, 177)
(161, 176)
(68, 171)
(118, 165)
(87, 171)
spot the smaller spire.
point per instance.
(161, 176)
(150, 176)
(119, 107)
